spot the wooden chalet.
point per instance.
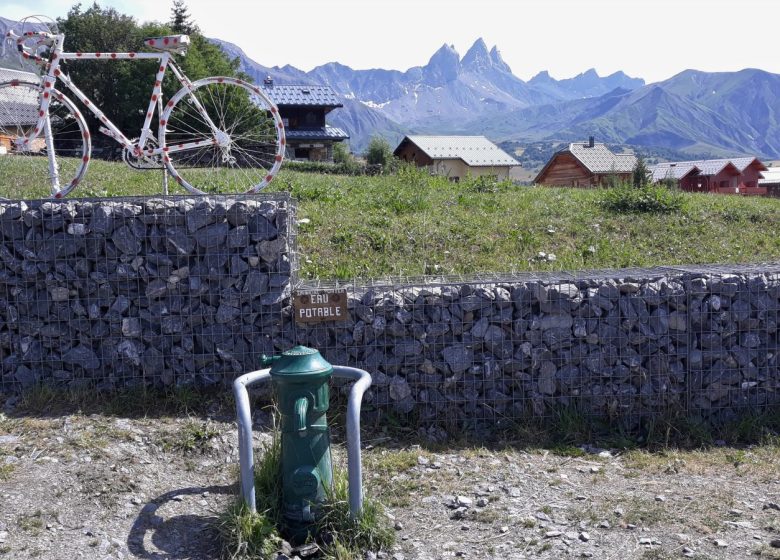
(303, 109)
(456, 157)
(771, 181)
(585, 164)
(724, 176)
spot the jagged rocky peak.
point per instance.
(541, 77)
(621, 79)
(443, 67)
(445, 55)
(589, 76)
(618, 74)
(477, 57)
(498, 61)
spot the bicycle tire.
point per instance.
(243, 156)
(27, 163)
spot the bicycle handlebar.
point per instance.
(44, 39)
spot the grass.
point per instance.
(31, 523)
(247, 535)
(760, 460)
(348, 538)
(6, 470)
(193, 437)
(259, 535)
(390, 463)
(45, 400)
(766, 551)
(413, 224)
(97, 436)
(256, 535)
(389, 476)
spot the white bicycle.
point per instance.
(215, 135)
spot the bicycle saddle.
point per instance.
(174, 43)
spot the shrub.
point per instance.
(485, 184)
(379, 152)
(352, 167)
(341, 153)
(652, 199)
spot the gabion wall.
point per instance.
(120, 292)
(193, 290)
(617, 344)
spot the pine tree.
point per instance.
(639, 176)
(180, 19)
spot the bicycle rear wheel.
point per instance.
(222, 136)
(58, 156)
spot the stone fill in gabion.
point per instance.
(192, 291)
(607, 345)
(155, 291)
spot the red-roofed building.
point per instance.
(725, 176)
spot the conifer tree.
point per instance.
(640, 173)
(180, 19)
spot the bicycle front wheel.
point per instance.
(223, 135)
(40, 150)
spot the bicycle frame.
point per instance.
(210, 138)
(138, 150)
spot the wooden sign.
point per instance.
(320, 306)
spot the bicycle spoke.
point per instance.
(247, 138)
(57, 157)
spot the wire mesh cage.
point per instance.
(617, 344)
(111, 293)
(166, 291)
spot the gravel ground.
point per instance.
(99, 486)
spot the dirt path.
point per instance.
(75, 486)
(102, 487)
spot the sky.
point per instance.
(650, 39)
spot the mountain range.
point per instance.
(695, 113)
(692, 113)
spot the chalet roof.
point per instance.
(672, 170)
(324, 133)
(744, 162)
(600, 159)
(705, 167)
(475, 151)
(18, 105)
(7, 74)
(319, 96)
(771, 176)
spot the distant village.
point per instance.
(579, 164)
(584, 164)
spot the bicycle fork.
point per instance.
(54, 173)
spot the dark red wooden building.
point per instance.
(724, 176)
